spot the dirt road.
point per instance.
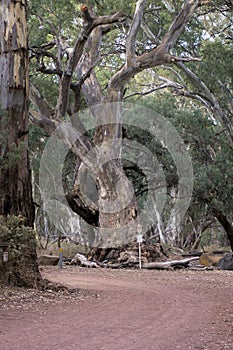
(127, 309)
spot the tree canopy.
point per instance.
(171, 57)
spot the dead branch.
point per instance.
(82, 261)
(169, 264)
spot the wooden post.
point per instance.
(60, 258)
(139, 239)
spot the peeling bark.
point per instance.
(15, 178)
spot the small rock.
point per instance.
(226, 262)
(209, 259)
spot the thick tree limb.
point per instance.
(45, 119)
(179, 23)
(40, 101)
(77, 91)
(90, 215)
(75, 57)
(91, 87)
(79, 144)
(43, 122)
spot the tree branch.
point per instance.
(91, 87)
(167, 83)
(41, 102)
(131, 36)
(149, 34)
(43, 122)
(75, 57)
(208, 96)
(90, 215)
(179, 23)
(158, 55)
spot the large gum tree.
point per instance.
(75, 69)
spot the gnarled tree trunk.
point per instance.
(118, 219)
(115, 212)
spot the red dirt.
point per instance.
(126, 309)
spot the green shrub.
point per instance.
(21, 268)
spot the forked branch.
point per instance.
(158, 55)
(75, 57)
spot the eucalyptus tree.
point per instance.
(210, 84)
(16, 202)
(207, 84)
(78, 69)
(212, 161)
(15, 174)
(54, 31)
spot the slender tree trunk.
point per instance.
(226, 224)
(15, 174)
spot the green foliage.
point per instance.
(208, 145)
(21, 239)
(21, 269)
(220, 74)
(50, 17)
(208, 36)
(109, 7)
(214, 239)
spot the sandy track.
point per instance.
(128, 309)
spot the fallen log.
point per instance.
(169, 264)
(89, 264)
(82, 261)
